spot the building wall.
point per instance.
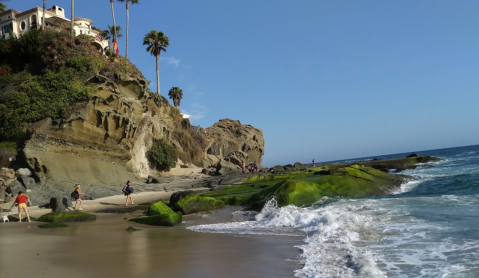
(20, 23)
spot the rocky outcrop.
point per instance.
(104, 141)
(234, 142)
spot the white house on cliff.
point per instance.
(20, 22)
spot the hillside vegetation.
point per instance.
(46, 74)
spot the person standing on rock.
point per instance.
(243, 166)
(21, 200)
(78, 197)
(128, 190)
(255, 166)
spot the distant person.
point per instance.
(255, 166)
(243, 166)
(77, 196)
(21, 200)
(314, 162)
(128, 190)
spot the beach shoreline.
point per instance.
(103, 248)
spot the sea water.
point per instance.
(428, 228)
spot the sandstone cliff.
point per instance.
(105, 140)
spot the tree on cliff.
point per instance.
(156, 42)
(115, 37)
(176, 94)
(128, 20)
(3, 7)
(113, 31)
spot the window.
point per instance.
(33, 20)
(6, 28)
(23, 25)
(81, 32)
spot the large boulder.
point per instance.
(299, 166)
(59, 204)
(160, 214)
(23, 172)
(277, 168)
(227, 168)
(7, 173)
(67, 217)
(177, 196)
(14, 187)
(195, 203)
(233, 140)
(27, 182)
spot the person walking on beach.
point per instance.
(128, 190)
(314, 162)
(243, 166)
(21, 200)
(77, 197)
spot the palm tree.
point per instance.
(73, 19)
(111, 31)
(43, 17)
(3, 7)
(176, 94)
(115, 38)
(128, 20)
(156, 42)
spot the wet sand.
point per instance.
(104, 249)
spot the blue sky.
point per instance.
(322, 79)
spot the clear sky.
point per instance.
(322, 79)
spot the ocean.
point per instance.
(428, 228)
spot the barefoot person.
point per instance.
(21, 200)
(128, 190)
(77, 196)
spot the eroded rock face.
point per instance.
(105, 140)
(235, 142)
(102, 141)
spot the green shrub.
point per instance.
(162, 155)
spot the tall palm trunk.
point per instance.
(158, 74)
(73, 18)
(127, 25)
(43, 17)
(114, 22)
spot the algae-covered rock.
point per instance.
(54, 225)
(160, 214)
(132, 229)
(195, 203)
(67, 217)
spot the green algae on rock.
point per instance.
(303, 188)
(160, 214)
(195, 203)
(67, 217)
(132, 229)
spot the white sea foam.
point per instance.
(410, 235)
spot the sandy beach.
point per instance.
(103, 248)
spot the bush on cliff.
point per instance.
(162, 155)
(44, 73)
